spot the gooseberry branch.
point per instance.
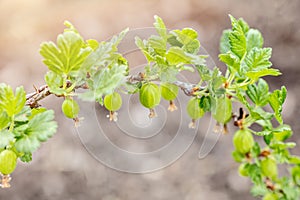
(101, 71)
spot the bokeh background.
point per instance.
(62, 169)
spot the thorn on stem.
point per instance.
(36, 89)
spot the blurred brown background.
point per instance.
(62, 169)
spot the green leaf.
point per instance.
(224, 42)
(104, 81)
(36, 111)
(215, 80)
(188, 38)
(176, 55)
(280, 151)
(237, 42)
(9, 102)
(294, 160)
(185, 35)
(160, 27)
(237, 39)
(104, 54)
(255, 174)
(204, 72)
(276, 100)
(94, 44)
(282, 145)
(70, 27)
(237, 156)
(168, 74)
(27, 144)
(264, 133)
(254, 39)
(205, 103)
(268, 138)
(4, 120)
(296, 174)
(39, 129)
(5, 138)
(142, 46)
(172, 40)
(282, 132)
(67, 56)
(259, 93)
(20, 130)
(243, 24)
(42, 125)
(258, 58)
(255, 75)
(196, 59)
(192, 47)
(256, 150)
(290, 192)
(132, 88)
(55, 82)
(239, 23)
(27, 157)
(158, 44)
(23, 115)
(187, 68)
(160, 60)
(258, 113)
(259, 190)
(230, 60)
(20, 99)
(266, 124)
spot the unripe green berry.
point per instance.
(242, 170)
(270, 196)
(149, 95)
(113, 102)
(8, 162)
(193, 108)
(169, 91)
(223, 110)
(243, 141)
(70, 108)
(269, 168)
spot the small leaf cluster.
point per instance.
(22, 129)
(75, 63)
(247, 63)
(170, 52)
